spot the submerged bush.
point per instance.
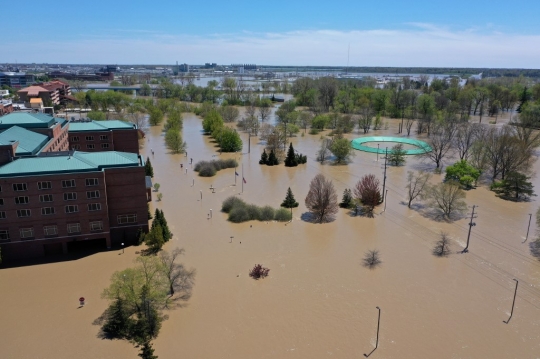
(240, 211)
(209, 168)
(231, 202)
(283, 215)
(239, 214)
(267, 213)
(258, 272)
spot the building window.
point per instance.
(104, 145)
(21, 200)
(90, 147)
(4, 234)
(70, 196)
(45, 198)
(26, 232)
(0, 188)
(68, 183)
(92, 194)
(45, 211)
(89, 138)
(20, 187)
(127, 218)
(23, 213)
(76, 147)
(74, 227)
(2, 215)
(92, 182)
(50, 230)
(74, 139)
(72, 209)
(103, 137)
(1, 201)
(94, 207)
(96, 226)
(44, 185)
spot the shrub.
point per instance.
(231, 202)
(207, 171)
(267, 213)
(239, 214)
(254, 212)
(258, 272)
(283, 215)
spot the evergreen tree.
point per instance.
(523, 99)
(147, 352)
(347, 200)
(396, 156)
(301, 159)
(154, 238)
(289, 201)
(291, 161)
(166, 231)
(264, 158)
(148, 169)
(515, 185)
(272, 159)
(117, 322)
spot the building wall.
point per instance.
(97, 141)
(60, 136)
(122, 191)
(6, 153)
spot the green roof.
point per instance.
(77, 126)
(29, 120)
(64, 163)
(30, 143)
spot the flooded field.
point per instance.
(318, 301)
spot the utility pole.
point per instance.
(529, 227)
(471, 224)
(385, 197)
(384, 178)
(377, 340)
(378, 144)
(249, 142)
(514, 302)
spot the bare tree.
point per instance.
(448, 198)
(265, 108)
(229, 113)
(416, 184)
(372, 259)
(464, 139)
(442, 246)
(324, 150)
(179, 278)
(322, 200)
(368, 193)
(440, 142)
(365, 118)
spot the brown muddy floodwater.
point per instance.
(318, 301)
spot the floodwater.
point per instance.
(318, 301)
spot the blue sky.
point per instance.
(476, 33)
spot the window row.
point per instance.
(68, 196)
(45, 211)
(52, 230)
(90, 146)
(44, 185)
(89, 138)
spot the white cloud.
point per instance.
(421, 45)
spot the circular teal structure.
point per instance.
(358, 144)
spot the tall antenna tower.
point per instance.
(348, 56)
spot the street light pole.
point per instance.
(384, 178)
(377, 340)
(471, 224)
(529, 227)
(513, 302)
(378, 145)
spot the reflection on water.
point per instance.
(318, 301)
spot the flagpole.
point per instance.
(235, 175)
(242, 177)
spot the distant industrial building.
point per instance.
(209, 65)
(16, 79)
(98, 76)
(245, 66)
(183, 68)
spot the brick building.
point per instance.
(56, 92)
(94, 136)
(59, 202)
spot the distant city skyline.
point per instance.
(384, 33)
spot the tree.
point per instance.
(148, 169)
(212, 121)
(324, 150)
(179, 278)
(117, 321)
(342, 150)
(368, 193)
(321, 199)
(272, 159)
(228, 139)
(516, 186)
(442, 246)
(264, 158)
(396, 157)
(416, 184)
(156, 187)
(372, 259)
(290, 161)
(159, 196)
(463, 173)
(259, 272)
(156, 116)
(147, 352)
(229, 113)
(154, 239)
(159, 219)
(174, 141)
(448, 198)
(440, 141)
(289, 201)
(96, 115)
(265, 108)
(347, 200)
